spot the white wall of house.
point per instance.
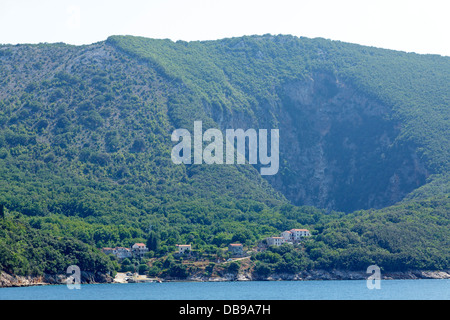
(183, 247)
(298, 234)
(286, 235)
(275, 241)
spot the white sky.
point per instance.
(406, 25)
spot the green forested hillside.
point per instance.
(85, 150)
(373, 119)
(30, 251)
(242, 72)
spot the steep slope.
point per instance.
(359, 127)
(85, 147)
(24, 250)
(95, 117)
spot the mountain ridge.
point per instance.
(85, 145)
(219, 104)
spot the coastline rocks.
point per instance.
(7, 280)
(326, 275)
(436, 274)
(355, 275)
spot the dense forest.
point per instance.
(85, 145)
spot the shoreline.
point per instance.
(14, 281)
(7, 281)
(323, 275)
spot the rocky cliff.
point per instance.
(339, 147)
(327, 275)
(7, 280)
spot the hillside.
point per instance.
(359, 127)
(364, 147)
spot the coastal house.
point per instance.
(138, 250)
(298, 234)
(287, 236)
(122, 253)
(275, 241)
(108, 250)
(236, 249)
(183, 248)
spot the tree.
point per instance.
(177, 270)
(233, 267)
(262, 269)
(143, 268)
(112, 142)
(153, 241)
(242, 236)
(138, 145)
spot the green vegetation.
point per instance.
(242, 72)
(383, 119)
(403, 237)
(85, 155)
(25, 250)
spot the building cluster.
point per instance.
(288, 236)
(137, 251)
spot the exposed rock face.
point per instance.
(331, 275)
(359, 275)
(338, 147)
(7, 280)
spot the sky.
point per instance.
(405, 25)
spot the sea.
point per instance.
(426, 289)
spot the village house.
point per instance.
(299, 234)
(138, 250)
(236, 249)
(275, 241)
(122, 253)
(108, 250)
(287, 236)
(182, 248)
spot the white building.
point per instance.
(286, 235)
(183, 247)
(139, 249)
(122, 253)
(275, 241)
(298, 234)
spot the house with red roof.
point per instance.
(299, 234)
(138, 250)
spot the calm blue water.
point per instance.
(254, 290)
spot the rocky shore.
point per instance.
(7, 280)
(327, 275)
